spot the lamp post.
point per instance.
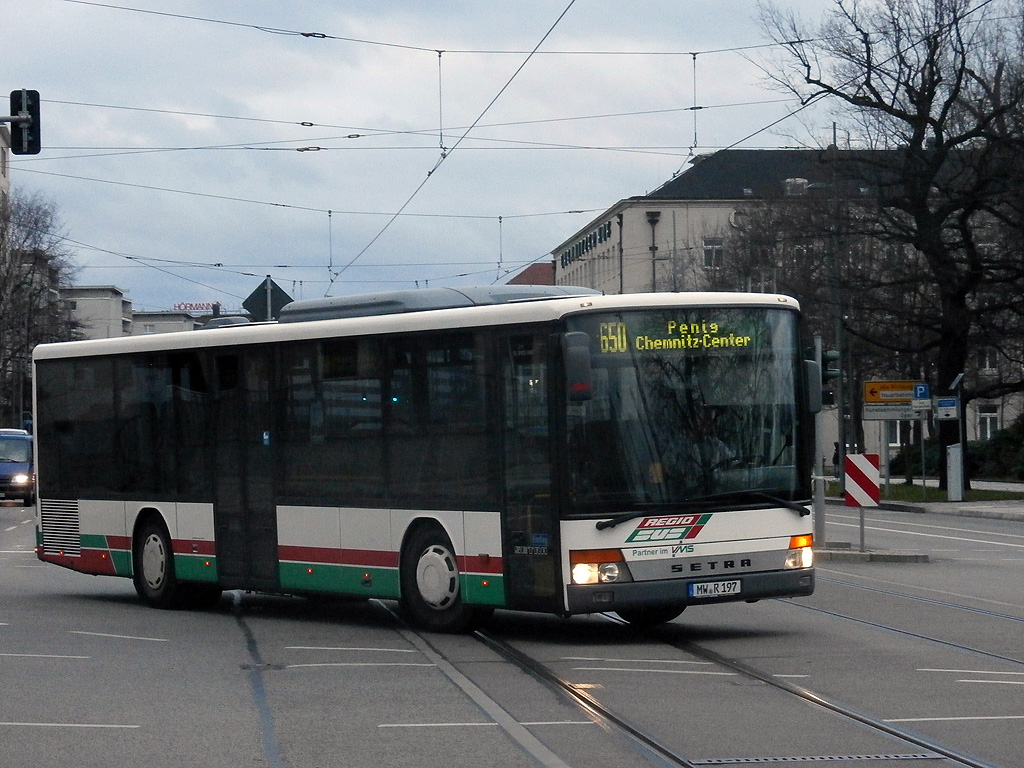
(652, 219)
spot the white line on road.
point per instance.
(635, 661)
(969, 671)
(68, 725)
(41, 656)
(119, 637)
(945, 719)
(932, 535)
(342, 648)
(654, 671)
(362, 664)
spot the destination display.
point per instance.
(617, 337)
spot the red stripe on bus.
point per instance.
(481, 564)
(193, 547)
(309, 554)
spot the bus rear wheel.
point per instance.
(431, 595)
(651, 615)
(153, 571)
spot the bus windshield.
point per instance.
(686, 405)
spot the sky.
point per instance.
(191, 148)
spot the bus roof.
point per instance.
(522, 310)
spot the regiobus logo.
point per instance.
(669, 528)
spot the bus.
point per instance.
(458, 450)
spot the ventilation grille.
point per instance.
(60, 527)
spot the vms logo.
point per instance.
(670, 528)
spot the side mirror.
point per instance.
(812, 382)
(576, 355)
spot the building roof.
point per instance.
(541, 273)
(732, 174)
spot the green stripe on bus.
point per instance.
(487, 589)
(195, 567)
(342, 579)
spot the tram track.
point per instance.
(657, 752)
(908, 633)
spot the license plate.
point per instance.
(715, 588)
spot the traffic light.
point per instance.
(830, 372)
(25, 132)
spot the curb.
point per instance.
(852, 555)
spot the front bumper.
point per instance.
(596, 598)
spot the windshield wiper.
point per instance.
(627, 516)
(783, 503)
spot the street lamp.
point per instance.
(652, 219)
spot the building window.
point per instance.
(988, 358)
(714, 247)
(988, 421)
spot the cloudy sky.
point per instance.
(192, 147)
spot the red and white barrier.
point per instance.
(862, 480)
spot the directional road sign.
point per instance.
(890, 392)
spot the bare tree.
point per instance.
(34, 265)
(937, 89)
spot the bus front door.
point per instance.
(244, 512)
(529, 522)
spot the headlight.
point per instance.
(800, 553)
(20, 479)
(598, 566)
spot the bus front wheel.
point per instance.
(431, 596)
(153, 572)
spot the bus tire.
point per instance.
(153, 572)
(651, 615)
(431, 597)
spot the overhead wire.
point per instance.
(446, 155)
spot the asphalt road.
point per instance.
(91, 677)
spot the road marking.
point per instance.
(933, 536)
(950, 719)
(951, 528)
(13, 527)
(68, 725)
(477, 725)
(42, 656)
(436, 725)
(635, 661)
(655, 671)
(994, 682)
(119, 637)
(342, 648)
(362, 664)
(969, 671)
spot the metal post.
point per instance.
(269, 303)
(818, 480)
(622, 284)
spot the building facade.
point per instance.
(98, 311)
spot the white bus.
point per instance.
(529, 448)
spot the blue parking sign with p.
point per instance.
(922, 392)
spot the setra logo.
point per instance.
(668, 528)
